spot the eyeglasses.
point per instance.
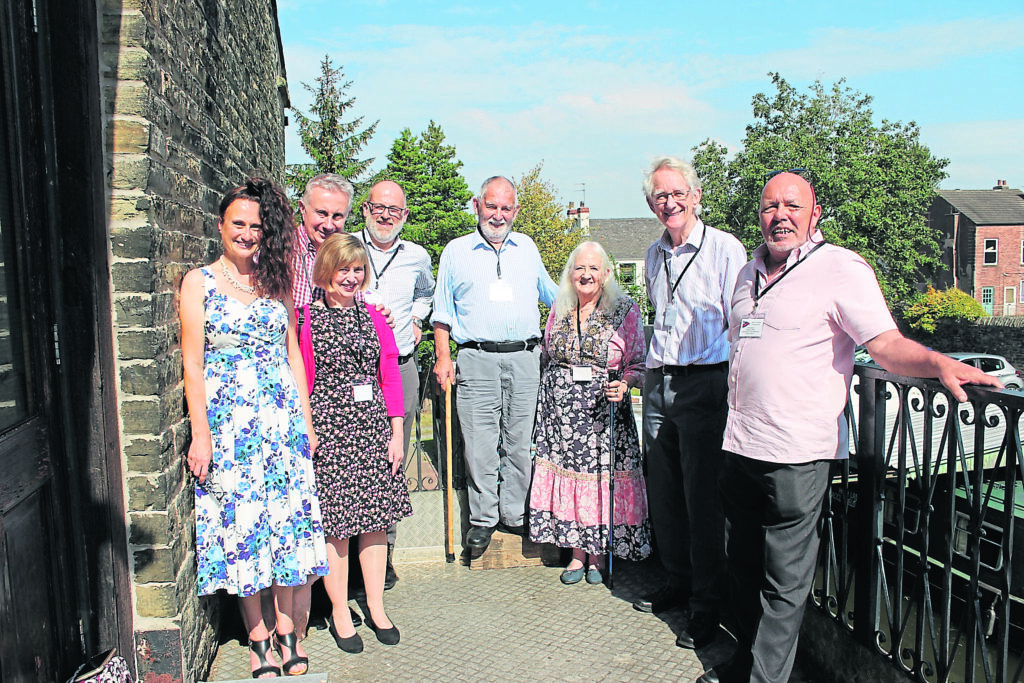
(661, 199)
(379, 209)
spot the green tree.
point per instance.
(542, 216)
(331, 142)
(436, 193)
(874, 182)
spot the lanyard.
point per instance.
(579, 330)
(757, 279)
(369, 257)
(358, 348)
(497, 252)
(668, 276)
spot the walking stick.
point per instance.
(449, 538)
(611, 483)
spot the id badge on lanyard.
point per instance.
(752, 326)
(500, 292)
(582, 373)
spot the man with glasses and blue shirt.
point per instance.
(400, 279)
(798, 311)
(488, 286)
(690, 273)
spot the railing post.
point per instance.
(867, 539)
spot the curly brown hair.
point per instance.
(273, 275)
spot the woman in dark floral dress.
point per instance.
(357, 405)
(593, 354)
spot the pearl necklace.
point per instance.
(235, 283)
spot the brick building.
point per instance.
(124, 121)
(983, 245)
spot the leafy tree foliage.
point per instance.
(436, 193)
(333, 143)
(542, 216)
(874, 183)
(935, 305)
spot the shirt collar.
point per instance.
(761, 252)
(692, 240)
(305, 245)
(479, 241)
(370, 244)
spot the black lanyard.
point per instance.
(757, 276)
(369, 257)
(668, 277)
(497, 252)
(358, 348)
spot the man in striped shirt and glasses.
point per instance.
(690, 273)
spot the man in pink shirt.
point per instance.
(798, 310)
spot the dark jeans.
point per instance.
(773, 514)
(684, 417)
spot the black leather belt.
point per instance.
(684, 370)
(501, 347)
(402, 360)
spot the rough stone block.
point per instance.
(156, 600)
(149, 528)
(130, 172)
(154, 565)
(133, 276)
(134, 311)
(141, 416)
(142, 344)
(132, 243)
(147, 492)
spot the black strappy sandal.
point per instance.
(290, 640)
(260, 648)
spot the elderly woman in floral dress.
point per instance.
(593, 354)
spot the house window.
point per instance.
(1022, 251)
(627, 273)
(991, 252)
(988, 294)
(1020, 291)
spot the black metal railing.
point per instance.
(917, 558)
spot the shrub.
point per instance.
(933, 306)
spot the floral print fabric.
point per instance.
(358, 493)
(569, 498)
(257, 514)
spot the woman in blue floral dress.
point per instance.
(258, 522)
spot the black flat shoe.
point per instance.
(479, 537)
(386, 636)
(260, 648)
(297, 665)
(352, 645)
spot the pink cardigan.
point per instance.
(388, 375)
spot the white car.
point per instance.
(990, 364)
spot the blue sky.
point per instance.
(596, 89)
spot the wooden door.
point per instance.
(39, 623)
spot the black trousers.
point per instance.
(684, 417)
(773, 526)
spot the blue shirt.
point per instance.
(467, 300)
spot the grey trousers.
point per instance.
(411, 400)
(773, 527)
(497, 406)
(684, 418)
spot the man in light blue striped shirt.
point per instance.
(690, 274)
(488, 286)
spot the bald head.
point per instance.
(385, 212)
(788, 215)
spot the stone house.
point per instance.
(982, 245)
(124, 121)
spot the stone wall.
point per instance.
(1001, 335)
(194, 92)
